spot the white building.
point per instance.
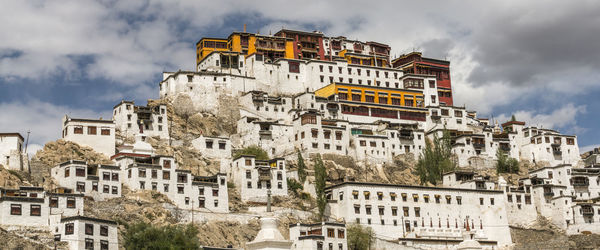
(161, 174)
(429, 217)
(34, 207)
(97, 181)
(81, 232)
(148, 120)
(11, 152)
(253, 178)
(274, 137)
(325, 235)
(97, 134)
(215, 147)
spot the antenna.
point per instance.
(27, 141)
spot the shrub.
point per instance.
(256, 151)
(145, 236)
(294, 186)
(359, 237)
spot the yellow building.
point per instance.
(271, 47)
(362, 59)
(377, 101)
(207, 45)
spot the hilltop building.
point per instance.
(132, 120)
(11, 152)
(97, 134)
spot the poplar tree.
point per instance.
(320, 178)
(301, 169)
(436, 159)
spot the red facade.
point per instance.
(414, 63)
(307, 45)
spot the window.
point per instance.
(104, 230)
(180, 189)
(69, 228)
(78, 130)
(166, 188)
(491, 201)
(381, 210)
(221, 145)
(166, 164)
(341, 234)
(67, 172)
(89, 244)
(357, 209)
(367, 194)
(154, 174)
(330, 233)
(53, 201)
(95, 186)
(166, 175)
(417, 212)
(80, 186)
(89, 229)
(458, 200)
(368, 209)
(15, 209)
(106, 176)
(480, 201)
(294, 67)
(215, 192)
(105, 131)
(142, 173)
(209, 144)
(405, 209)
(248, 174)
(115, 190)
(103, 245)
(338, 135)
(91, 130)
(394, 211)
(80, 172)
(105, 189)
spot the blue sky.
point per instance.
(537, 60)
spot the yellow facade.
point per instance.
(376, 92)
(234, 44)
(203, 48)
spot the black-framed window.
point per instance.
(35, 210)
(15, 209)
(89, 229)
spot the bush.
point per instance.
(359, 237)
(146, 236)
(256, 151)
(294, 186)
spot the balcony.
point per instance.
(580, 181)
(93, 178)
(265, 133)
(556, 152)
(264, 175)
(479, 145)
(505, 149)
(587, 211)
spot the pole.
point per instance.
(269, 201)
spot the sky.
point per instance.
(538, 60)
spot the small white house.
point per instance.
(81, 232)
(11, 152)
(254, 177)
(325, 235)
(97, 181)
(97, 134)
(148, 120)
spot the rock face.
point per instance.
(9, 179)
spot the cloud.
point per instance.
(42, 119)
(559, 118)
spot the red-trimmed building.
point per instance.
(307, 45)
(417, 64)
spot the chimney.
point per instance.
(244, 28)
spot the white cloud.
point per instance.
(559, 118)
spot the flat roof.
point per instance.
(11, 135)
(413, 187)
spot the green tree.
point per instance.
(513, 118)
(435, 159)
(145, 236)
(505, 163)
(294, 186)
(301, 168)
(359, 237)
(254, 150)
(320, 178)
